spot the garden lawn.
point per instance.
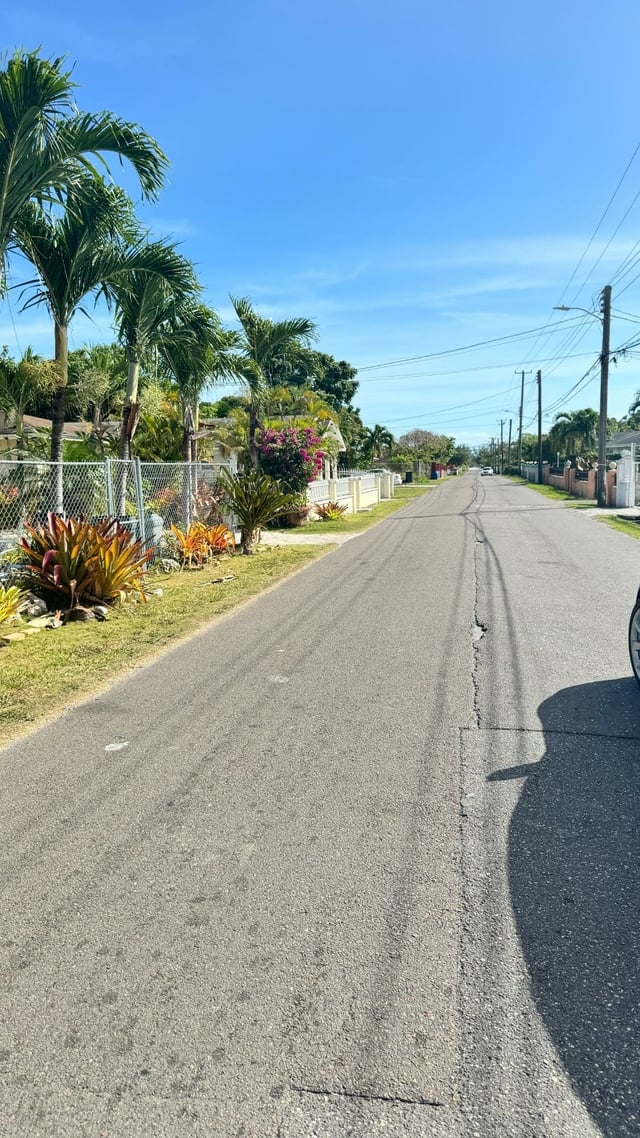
(50, 670)
(355, 523)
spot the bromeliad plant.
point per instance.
(201, 542)
(330, 511)
(11, 598)
(74, 562)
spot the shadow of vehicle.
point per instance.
(574, 876)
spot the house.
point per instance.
(32, 426)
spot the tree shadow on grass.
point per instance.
(574, 874)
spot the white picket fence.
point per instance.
(359, 491)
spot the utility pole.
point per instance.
(539, 382)
(502, 422)
(509, 447)
(522, 374)
(604, 393)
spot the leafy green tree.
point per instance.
(264, 344)
(333, 379)
(631, 421)
(22, 383)
(222, 408)
(47, 145)
(427, 445)
(354, 434)
(462, 455)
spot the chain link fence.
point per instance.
(148, 496)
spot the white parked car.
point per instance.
(486, 470)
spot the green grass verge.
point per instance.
(47, 672)
(555, 494)
(356, 523)
(624, 525)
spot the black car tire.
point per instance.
(634, 641)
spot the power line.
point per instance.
(597, 228)
(465, 348)
(462, 371)
(586, 250)
(616, 230)
(455, 407)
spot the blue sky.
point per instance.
(416, 177)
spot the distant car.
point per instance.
(634, 638)
(486, 470)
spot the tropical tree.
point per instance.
(377, 440)
(575, 432)
(22, 383)
(47, 146)
(96, 380)
(74, 253)
(197, 351)
(264, 344)
(631, 421)
(146, 304)
(256, 499)
(334, 380)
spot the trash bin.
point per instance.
(408, 476)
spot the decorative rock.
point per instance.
(169, 565)
(32, 606)
(12, 637)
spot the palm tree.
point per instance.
(575, 432)
(92, 247)
(378, 439)
(264, 343)
(97, 377)
(146, 303)
(631, 421)
(197, 351)
(46, 144)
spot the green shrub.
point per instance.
(256, 500)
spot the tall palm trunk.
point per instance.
(130, 408)
(129, 413)
(254, 424)
(59, 408)
(187, 469)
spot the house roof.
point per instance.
(334, 432)
(70, 430)
(623, 438)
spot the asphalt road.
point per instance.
(359, 860)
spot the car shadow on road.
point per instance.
(574, 875)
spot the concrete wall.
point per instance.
(581, 487)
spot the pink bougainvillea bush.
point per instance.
(293, 455)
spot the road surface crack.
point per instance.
(366, 1096)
